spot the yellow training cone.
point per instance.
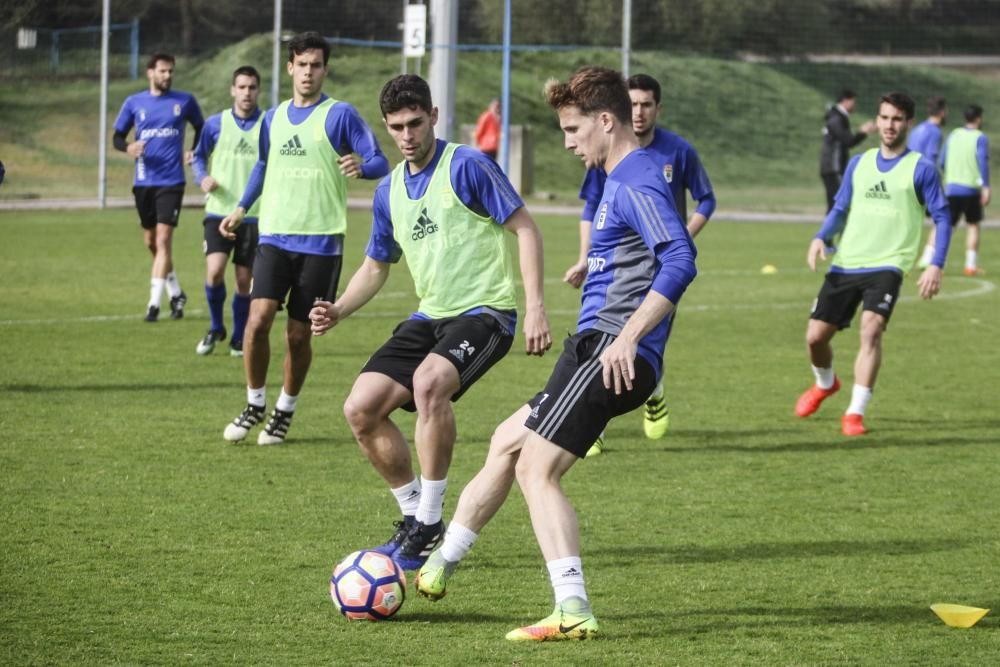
(768, 269)
(958, 615)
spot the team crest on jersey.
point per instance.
(668, 172)
(602, 216)
(142, 115)
(177, 109)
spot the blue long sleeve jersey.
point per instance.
(210, 137)
(348, 133)
(160, 120)
(478, 183)
(982, 159)
(682, 170)
(639, 243)
(926, 140)
(927, 184)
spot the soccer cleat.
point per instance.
(276, 428)
(813, 397)
(432, 579)
(240, 427)
(418, 545)
(235, 348)
(571, 620)
(177, 304)
(207, 344)
(402, 529)
(972, 271)
(597, 448)
(152, 314)
(656, 418)
(852, 424)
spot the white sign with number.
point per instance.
(415, 31)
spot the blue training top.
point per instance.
(477, 182)
(927, 184)
(682, 170)
(926, 140)
(206, 144)
(638, 243)
(159, 121)
(348, 133)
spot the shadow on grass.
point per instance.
(876, 438)
(626, 555)
(130, 387)
(464, 617)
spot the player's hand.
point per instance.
(984, 196)
(618, 360)
(136, 149)
(537, 337)
(323, 317)
(231, 222)
(350, 166)
(188, 157)
(208, 184)
(929, 283)
(817, 250)
(575, 274)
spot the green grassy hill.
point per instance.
(756, 126)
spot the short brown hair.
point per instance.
(157, 57)
(592, 90)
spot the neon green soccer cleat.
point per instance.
(432, 579)
(570, 620)
(597, 448)
(656, 418)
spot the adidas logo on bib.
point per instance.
(293, 147)
(877, 191)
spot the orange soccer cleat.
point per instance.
(851, 424)
(813, 397)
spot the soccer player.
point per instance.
(966, 161)
(231, 138)
(879, 210)
(159, 116)
(926, 140)
(684, 174)
(837, 142)
(641, 262)
(306, 154)
(446, 208)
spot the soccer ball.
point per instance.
(368, 586)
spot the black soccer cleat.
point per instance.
(177, 304)
(276, 428)
(152, 314)
(207, 344)
(240, 427)
(418, 545)
(402, 530)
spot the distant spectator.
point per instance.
(488, 129)
(837, 141)
(2, 172)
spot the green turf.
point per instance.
(132, 534)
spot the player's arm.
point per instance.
(698, 184)
(927, 184)
(537, 335)
(203, 150)
(197, 121)
(364, 285)
(983, 158)
(590, 192)
(835, 220)
(123, 124)
(351, 137)
(255, 184)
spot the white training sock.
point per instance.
(285, 402)
(457, 541)
(657, 393)
(431, 500)
(408, 497)
(173, 286)
(928, 255)
(859, 400)
(257, 396)
(566, 575)
(971, 257)
(824, 377)
(155, 291)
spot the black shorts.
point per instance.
(244, 245)
(842, 292)
(302, 278)
(575, 406)
(472, 343)
(971, 206)
(158, 204)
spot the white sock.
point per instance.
(824, 377)
(566, 575)
(859, 400)
(928, 254)
(431, 500)
(173, 287)
(657, 393)
(285, 402)
(457, 541)
(257, 396)
(970, 259)
(155, 291)
(408, 497)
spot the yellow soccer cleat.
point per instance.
(597, 448)
(432, 579)
(570, 620)
(656, 417)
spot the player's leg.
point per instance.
(146, 211)
(243, 257)
(656, 415)
(833, 310)
(481, 499)
(215, 296)
(973, 216)
(168, 202)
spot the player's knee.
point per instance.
(298, 338)
(359, 416)
(431, 389)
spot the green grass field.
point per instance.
(133, 534)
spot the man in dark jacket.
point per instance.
(837, 140)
